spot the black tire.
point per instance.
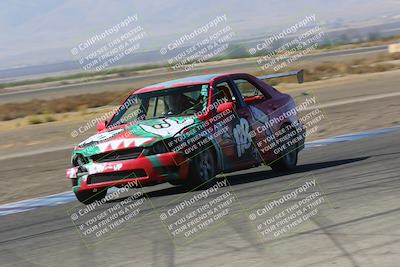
(202, 169)
(287, 159)
(88, 197)
(176, 183)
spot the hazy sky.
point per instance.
(40, 31)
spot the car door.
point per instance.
(254, 108)
(235, 143)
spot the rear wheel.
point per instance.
(287, 158)
(88, 197)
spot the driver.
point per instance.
(176, 104)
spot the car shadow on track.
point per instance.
(249, 177)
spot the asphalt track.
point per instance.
(12, 96)
(357, 225)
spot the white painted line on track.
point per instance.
(353, 100)
(37, 152)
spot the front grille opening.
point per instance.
(115, 176)
(125, 154)
(169, 170)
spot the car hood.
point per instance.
(141, 134)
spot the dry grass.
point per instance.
(326, 70)
(34, 120)
(356, 66)
(62, 105)
(81, 103)
(37, 119)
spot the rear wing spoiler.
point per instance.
(298, 73)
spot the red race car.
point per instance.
(186, 131)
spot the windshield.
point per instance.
(178, 101)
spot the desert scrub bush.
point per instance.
(34, 120)
(83, 110)
(49, 118)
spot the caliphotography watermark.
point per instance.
(130, 116)
(100, 220)
(197, 212)
(288, 211)
(202, 135)
(282, 49)
(298, 123)
(200, 45)
(109, 47)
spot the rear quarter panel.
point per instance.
(279, 104)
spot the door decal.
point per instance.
(241, 133)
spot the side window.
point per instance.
(248, 90)
(223, 93)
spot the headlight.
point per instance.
(158, 148)
(79, 160)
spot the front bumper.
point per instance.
(142, 171)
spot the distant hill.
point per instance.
(44, 31)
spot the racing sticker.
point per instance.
(122, 143)
(242, 136)
(100, 137)
(167, 127)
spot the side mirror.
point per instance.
(101, 126)
(226, 106)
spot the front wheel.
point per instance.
(287, 159)
(202, 169)
(88, 197)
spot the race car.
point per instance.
(187, 131)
